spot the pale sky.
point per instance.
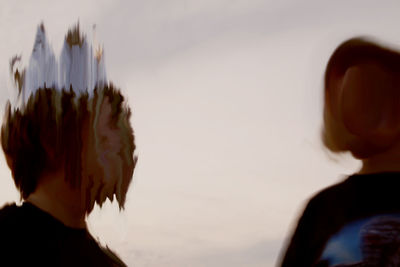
(226, 98)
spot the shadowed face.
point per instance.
(107, 158)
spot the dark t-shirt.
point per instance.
(32, 237)
(353, 223)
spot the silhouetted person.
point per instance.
(69, 144)
(347, 223)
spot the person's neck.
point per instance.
(55, 196)
(388, 161)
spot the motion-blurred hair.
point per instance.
(336, 135)
(43, 137)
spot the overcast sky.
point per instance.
(226, 98)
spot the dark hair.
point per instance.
(46, 133)
(357, 51)
(335, 135)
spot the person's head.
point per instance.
(85, 132)
(362, 98)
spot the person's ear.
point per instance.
(369, 101)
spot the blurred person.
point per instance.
(69, 144)
(357, 221)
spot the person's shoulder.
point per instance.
(331, 195)
(8, 207)
(10, 223)
(356, 187)
(315, 224)
(8, 212)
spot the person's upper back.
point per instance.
(32, 237)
